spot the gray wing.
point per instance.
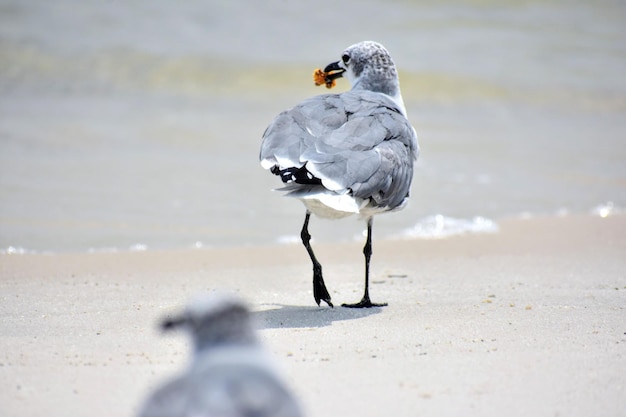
(229, 390)
(357, 142)
(169, 400)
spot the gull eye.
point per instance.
(345, 58)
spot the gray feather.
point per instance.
(359, 140)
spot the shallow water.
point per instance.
(137, 125)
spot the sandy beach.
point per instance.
(527, 321)
(130, 182)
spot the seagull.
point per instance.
(231, 374)
(346, 154)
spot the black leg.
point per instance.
(319, 289)
(367, 251)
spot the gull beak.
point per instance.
(172, 323)
(333, 71)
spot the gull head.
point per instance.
(368, 66)
(215, 320)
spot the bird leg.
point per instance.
(319, 288)
(367, 251)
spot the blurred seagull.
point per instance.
(349, 153)
(231, 374)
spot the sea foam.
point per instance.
(439, 226)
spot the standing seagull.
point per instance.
(231, 374)
(349, 153)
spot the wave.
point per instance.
(435, 226)
(28, 68)
(439, 226)
(606, 209)
(17, 250)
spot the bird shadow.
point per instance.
(286, 316)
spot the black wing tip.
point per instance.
(296, 175)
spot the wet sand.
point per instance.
(528, 321)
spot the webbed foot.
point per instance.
(320, 292)
(364, 303)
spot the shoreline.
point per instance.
(432, 227)
(526, 321)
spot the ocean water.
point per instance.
(136, 125)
